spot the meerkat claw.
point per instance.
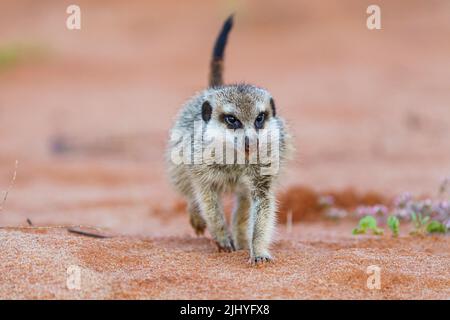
(226, 247)
(258, 260)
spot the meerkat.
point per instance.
(226, 113)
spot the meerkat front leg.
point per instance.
(262, 223)
(212, 213)
(240, 219)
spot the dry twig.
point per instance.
(10, 186)
(78, 229)
(87, 233)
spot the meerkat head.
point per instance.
(236, 114)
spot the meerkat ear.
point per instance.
(272, 106)
(206, 111)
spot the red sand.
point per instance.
(369, 111)
(318, 264)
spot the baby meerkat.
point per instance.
(229, 138)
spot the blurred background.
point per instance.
(87, 112)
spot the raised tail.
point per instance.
(216, 68)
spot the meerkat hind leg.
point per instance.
(195, 218)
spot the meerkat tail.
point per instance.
(216, 71)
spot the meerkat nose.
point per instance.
(247, 144)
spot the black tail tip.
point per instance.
(221, 42)
(228, 24)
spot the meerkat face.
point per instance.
(235, 116)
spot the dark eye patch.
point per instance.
(260, 119)
(206, 111)
(231, 121)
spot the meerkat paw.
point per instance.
(260, 259)
(225, 245)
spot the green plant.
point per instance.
(394, 224)
(436, 227)
(16, 53)
(419, 222)
(367, 223)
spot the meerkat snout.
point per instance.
(229, 138)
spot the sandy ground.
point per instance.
(369, 110)
(318, 262)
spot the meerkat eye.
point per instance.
(232, 121)
(259, 122)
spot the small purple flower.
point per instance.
(335, 213)
(444, 186)
(326, 201)
(363, 211)
(444, 206)
(380, 210)
(441, 210)
(425, 207)
(403, 200)
(402, 214)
